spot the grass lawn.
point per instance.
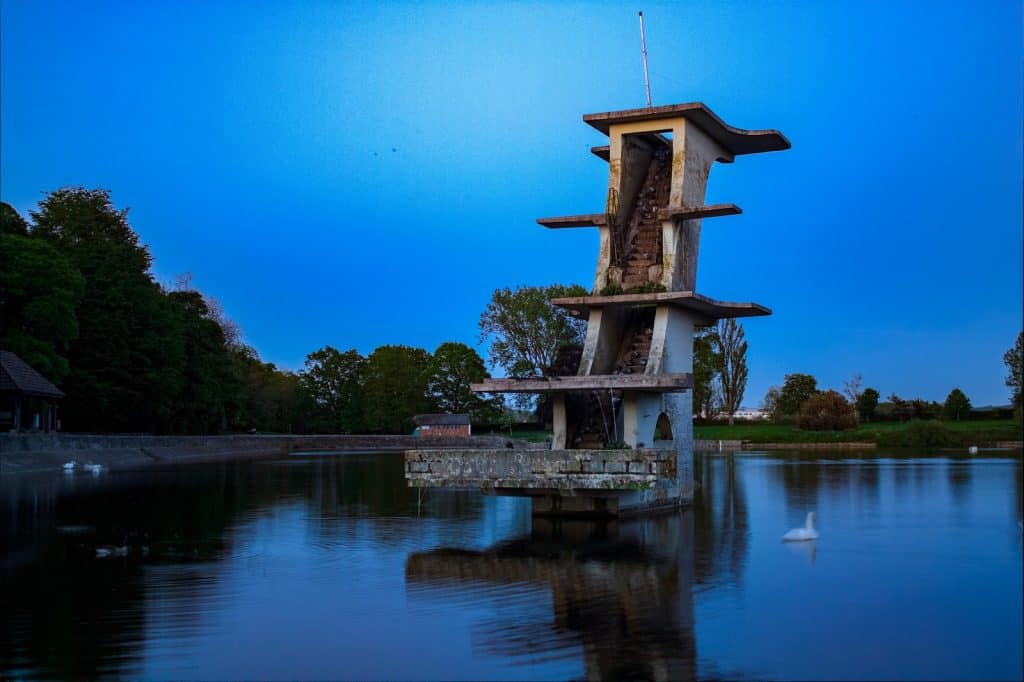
(987, 430)
(979, 432)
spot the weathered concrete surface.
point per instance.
(735, 140)
(541, 470)
(24, 453)
(697, 303)
(592, 382)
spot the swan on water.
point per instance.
(112, 550)
(802, 534)
(70, 466)
(107, 551)
(94, 468)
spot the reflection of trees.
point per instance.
(620, 592)
(958, 476)
(867, 481)
(721, 520)
(68, 614)
(65, 613)
(797, 474)
(1019, 489)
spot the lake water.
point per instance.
(327, 566)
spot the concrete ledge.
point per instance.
(40, 452)
(659, 383)
(540, 470)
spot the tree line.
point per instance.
(79, 303)
(800, 401)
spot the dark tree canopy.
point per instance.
(11, 221)
(796, 390)
(333, 381)
(452, 368)
(207, 382)
(826, 411)
(125, 365)
(39, 294)
(395, 388)
(866, 404)
(268, 399)
(1014, 361)
(957, 405)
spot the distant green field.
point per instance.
(981, 431)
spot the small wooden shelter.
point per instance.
(28, 400)
(442, 425)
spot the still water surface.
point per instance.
(327, 566)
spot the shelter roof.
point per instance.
(441, 419)
(17, 375)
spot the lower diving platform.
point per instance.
(565, 482)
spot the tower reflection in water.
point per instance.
(621, 593)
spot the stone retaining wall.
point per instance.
(540, 470)
(34, 452)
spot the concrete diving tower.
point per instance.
(623, 421)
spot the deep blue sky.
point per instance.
(365, 174)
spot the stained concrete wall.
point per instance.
(525, 470)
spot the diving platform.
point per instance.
(656, 383)
(621, 402)
(708, 309)
(678, 213)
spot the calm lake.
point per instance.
(327, 566)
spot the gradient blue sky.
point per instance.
(365, 174)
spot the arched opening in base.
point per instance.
(663, 428)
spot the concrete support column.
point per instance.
(558, 421)
(639, 417)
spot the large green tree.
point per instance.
(1014, 361)
(770, 404)
(395, 388)
(11, 221)
(39, 293)
(707, 365)
(267, 399)
(207, 382)
(826, 411)
(867, 403)
(957, 404)
(333, 381)
(796, 390)
(732, 347)
(452, 368)
(126, 364)
(526, 330)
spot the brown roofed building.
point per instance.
(442, 425)
(28, 400)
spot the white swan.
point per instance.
(802, 534)
(95, 469)
(112, 550)
(70, 466)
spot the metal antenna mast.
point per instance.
(643, 47)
